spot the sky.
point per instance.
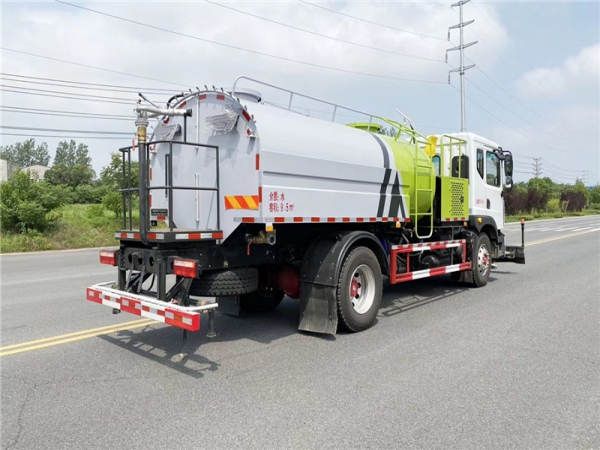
(535, 89)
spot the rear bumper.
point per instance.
(184, 317)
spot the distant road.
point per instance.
(512, 365)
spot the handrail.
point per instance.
(335, 106)
(169, 187)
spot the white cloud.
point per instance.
(576, 74)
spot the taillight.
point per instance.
(185, 268)
(108, 257)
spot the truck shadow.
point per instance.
(403, 297)
(166, 345)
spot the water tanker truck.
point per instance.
(243, 202)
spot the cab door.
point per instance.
(486, 186)
(493, 188)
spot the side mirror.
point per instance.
(508, 167)
(509, 183)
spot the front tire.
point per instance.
(359, 290)
(482, 260)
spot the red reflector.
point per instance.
(220, 97)
(246, 116)
(108, 257)
(185, 268)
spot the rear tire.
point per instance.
(261, 302)
(359, 290)
(225, 283)
(482, 260)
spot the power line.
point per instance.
(517, 115)
(25, 88)
(282, 58)
(57, 130)
(61, 137)
(514, 129)
(322, 35)
(89, 88)
(137, 89)
(74, 116)
(508, 93)
(372, 23)
(91, 67)
(64, 96)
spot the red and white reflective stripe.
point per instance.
(428, 246)
(432, 272)
(320, 219)
(182, 105)
(178, 236)
(195, 236)
(410, 248)
(454, 219)
(127, 235)
(188, 320)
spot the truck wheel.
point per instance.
(225, 283)
(261, 301)
(482, 260)
(359, 290)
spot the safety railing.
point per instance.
(144, 189)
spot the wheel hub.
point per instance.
(362, 289)
(483, 260)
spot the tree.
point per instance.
(595, 196)
(70, 176)
(72, 165)
(71, 154)
(26, 153)
(111, 175)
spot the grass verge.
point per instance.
(87, 226)
(79, 226)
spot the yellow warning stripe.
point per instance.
(241, 201)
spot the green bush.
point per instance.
(87, 194)
(553, 206)
(113, 201)
(28, 206)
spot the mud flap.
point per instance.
(318, 282)
(319, 277)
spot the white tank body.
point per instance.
(277, 167)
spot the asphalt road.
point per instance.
(514, 365)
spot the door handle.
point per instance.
(488, 204)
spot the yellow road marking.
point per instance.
(61, 336)
(561, 237)
(27, 347)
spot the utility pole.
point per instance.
(461, 70)
(585, 177)
(537, 167)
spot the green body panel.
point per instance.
(455, 198)
(417, 172)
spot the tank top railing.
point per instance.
(295, 95)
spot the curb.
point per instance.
(553, 219)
